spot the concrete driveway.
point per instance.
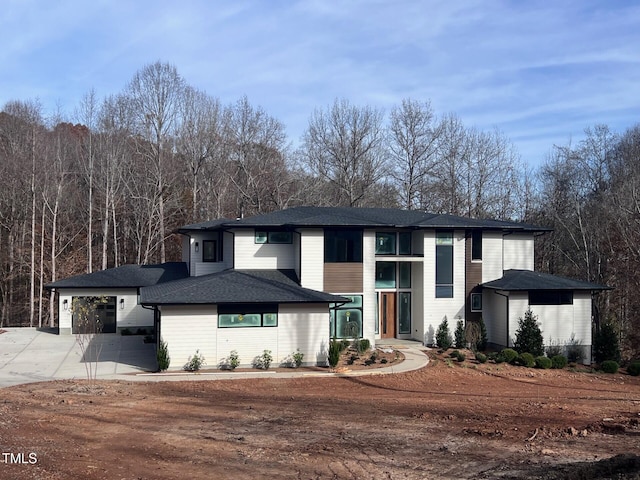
(35, 355)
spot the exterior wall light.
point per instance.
(65, 304)
(122, 304)
(197, 247)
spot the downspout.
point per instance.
(507, 313)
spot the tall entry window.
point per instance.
(444, 264)
(342, 246)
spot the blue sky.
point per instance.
(539, 71)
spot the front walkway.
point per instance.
(34, 355)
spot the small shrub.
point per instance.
(264, 360)
(344, 344)
(509, 355)
(454, 354)
(297, 357)
(558, 362)
(352, 359)
(481, 357)
(162, 355)
(461, 357)
(459, 335)
(609, 366)
(374, 356)
(125, 332)
(634, 368)
(195, 363)
(234, 360)
(443, 337)
(543, 362)
(525, 360)
(575, 353)
(335, 348)
(363, 345)
(554, 348)
(499, 358)
(384, 360)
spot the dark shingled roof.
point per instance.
(235, 286)
(359, 217)
(126, 276)
(520, 280)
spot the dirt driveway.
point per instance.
(443, 421)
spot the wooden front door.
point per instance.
(387, 314)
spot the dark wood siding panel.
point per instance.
(473, 276)
(343, 277)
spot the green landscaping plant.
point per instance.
(575, 353)
(509, 355)
(543, 362)
(605, 344)
(459, 335)
(558, 362)
(362, 345)
(443, 337)
(609, 366)
(195, 363)
(162, 355)
(264, 360)
(634, 368)
(481, 357)
(528, 336)
(335, 348)
(234, 360)
(297, 357)
(525, 360)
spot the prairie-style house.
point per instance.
(293, 279)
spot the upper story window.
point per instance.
(550, 297)
(476, 245)
(273, 237)
(444, 264)
(342, 246)
(212, 250)
(393, 243)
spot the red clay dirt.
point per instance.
(445, 421)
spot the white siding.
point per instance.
(369, 285)
(304, 327)
(518, 252)
(187, 328)
(437, 309)
(559, 322)
(491, 256)
(494, 312)
(249, 342)
(312, 259)
(131, 316)
(251, 255)
(518, 305)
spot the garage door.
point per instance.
(94, 314)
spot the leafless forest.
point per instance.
(109, 184)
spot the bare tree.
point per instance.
(344, 145)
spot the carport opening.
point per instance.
(104, 315)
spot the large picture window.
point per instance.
(346, 320)
(247, 315)
(393, 243)
(444, 264)
(342, 246)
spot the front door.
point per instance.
(387, 314)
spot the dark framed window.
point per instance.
(476, 245)
(550, 297)
(404, 243)
(273, 236)
(385, 274)
(211, 251)
(346, 320)
(404, 312)
(476, 302)
(405, 275)
(247, 315)
(342, 246)
(444, 264)
(385, 243)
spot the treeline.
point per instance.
(109, 185)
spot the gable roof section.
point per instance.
(525, 280)
(126, 276)
(297, 217)
(235, 286)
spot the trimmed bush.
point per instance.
(528, 336)
(362, 345)
(525, 360)
(481, 357)
(558, 362)
(634, 368)
(335, 348)
(461, 357)
(543, 362)
(509, 355)
(162, 355)
(609, 366)
(459, 334)
(443, 337)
